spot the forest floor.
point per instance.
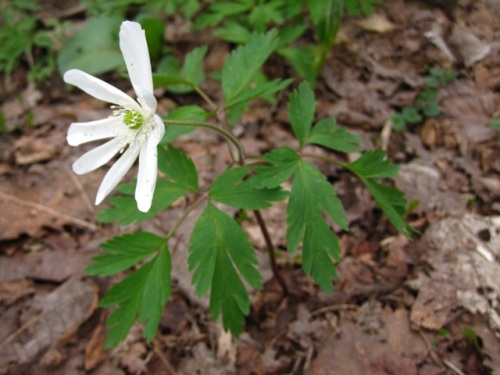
(427, 306)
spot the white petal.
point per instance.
(97, 157)
(148, 165)
(98, 88)
(116, 173)
(135, 51)
(83, 132)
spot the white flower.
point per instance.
(134, 128)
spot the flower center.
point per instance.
(133, 119)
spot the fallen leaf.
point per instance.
(377, 23)
(53, 317)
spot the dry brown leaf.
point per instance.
(55, 317)
(377, 23)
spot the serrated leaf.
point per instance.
(398, 123)
(233, 32)
(392, 202)
(185, 113)
(123, 252)
(230, 8)
(301, 112)
(242, 64)
(373, 164)
(143, 293)
(326, 133)
(311, 196)
(260, 91)
(283, 163)
(302, 60)
(221, 256)
(179, 167)
(124, 210)
(192, 70)
(181, 80)
(230, 188)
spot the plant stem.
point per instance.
(184, 216)
(324, 158)
(271, 251)
(226, 134)
(205, 97)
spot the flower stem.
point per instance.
(226, 134)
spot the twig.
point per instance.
(79, 186)
(48, 210)
(452, 367)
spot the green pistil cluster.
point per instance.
(133, 119)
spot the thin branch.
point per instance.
(48, 210)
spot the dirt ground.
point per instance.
(427, 306)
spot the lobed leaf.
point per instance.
(326, 133)
(283, 162)
(311, 196)
(242, 64)
(222, 257)
(124, 210)
(230, 188)
(373, 164)
(179, 167)
(301, 112)
(141, 294)
(123, 252)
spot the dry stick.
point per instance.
(47, 210)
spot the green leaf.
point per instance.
(265, 13)
(143, 293)
(94, 48)
(398, 122)
(230, 188)
(181, 80)
(373, 164)
(283, 162)
(360, 7)
(301, 112)
(123, 252)
(154, 29)
(186, 113)
(192, 69)
(302, 60)
(124, 207)
(290, 33)
(260, 91)
(233, 32)
(411, 115)
(495, 123)
(221, 256)
(179, 167)
(230, 8)
(326, 133)
(392, 202)
(242, 64)
(311, 196)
